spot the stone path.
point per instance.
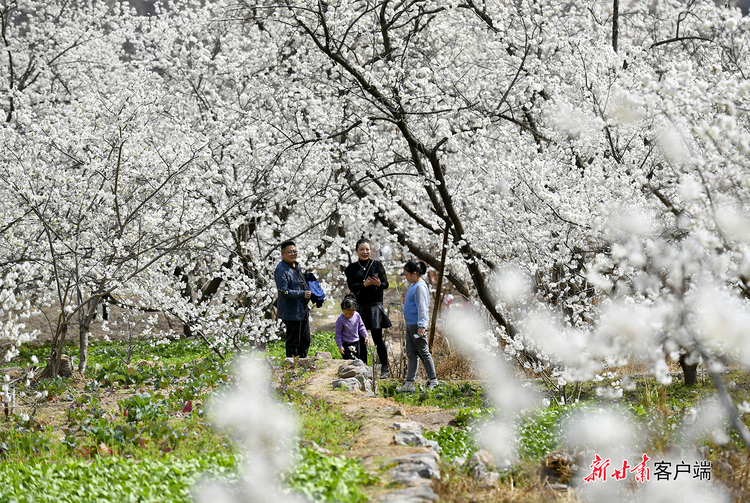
(389, 442)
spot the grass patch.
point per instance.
(124, 352)
(447, 395)
(320, 422)
(321, 341)
(539, 433)
(163, 350)
(327, 427)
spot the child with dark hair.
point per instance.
(351, 332)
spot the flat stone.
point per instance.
(559, 487)
(349, 371)
(410, 426)
(305, 363)
(415, 439)
(351, 384)
(323, 355)
(478, 471)
(358, 363)
(365, 385)
(413, 469)
(416, 494)
(408, 438)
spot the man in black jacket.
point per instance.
(294, 295)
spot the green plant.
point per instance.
(538, 433)
(328, 478)
(111, 479)
(319, 421)
(144, 407)
(22, 443)
(468, 415)
(168, 352)
(454, 442)
(53, 387)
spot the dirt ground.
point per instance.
(374, 445)
(45, 322)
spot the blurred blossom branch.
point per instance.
(264, 429)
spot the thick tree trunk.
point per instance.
(56, 350)
(615, 23)
(689, 371)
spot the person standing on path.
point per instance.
(366, 279)
(291, 304)
(417, 317)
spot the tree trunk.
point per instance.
(83, 351)
(689, 371)
(185, 293)
(56, 350)
(439, 288)
(615, 23)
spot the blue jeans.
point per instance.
(418, 347)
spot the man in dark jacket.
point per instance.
(291, 305)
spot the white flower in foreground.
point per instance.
(266, 432)
(602, 430)
(709, 420)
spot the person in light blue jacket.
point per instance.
(417, 317)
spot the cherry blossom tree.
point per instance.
(544, 145)
(145, 155)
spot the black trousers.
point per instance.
(360, 350)
(297, 337)
(377, 338)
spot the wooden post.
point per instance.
(439, 287)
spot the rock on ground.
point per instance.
(414, 469)
(419, 494)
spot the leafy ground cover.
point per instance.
(112, 434)
(660, 413)
(139, 418)
(447, 395)
(329, 478)
(111, 478)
